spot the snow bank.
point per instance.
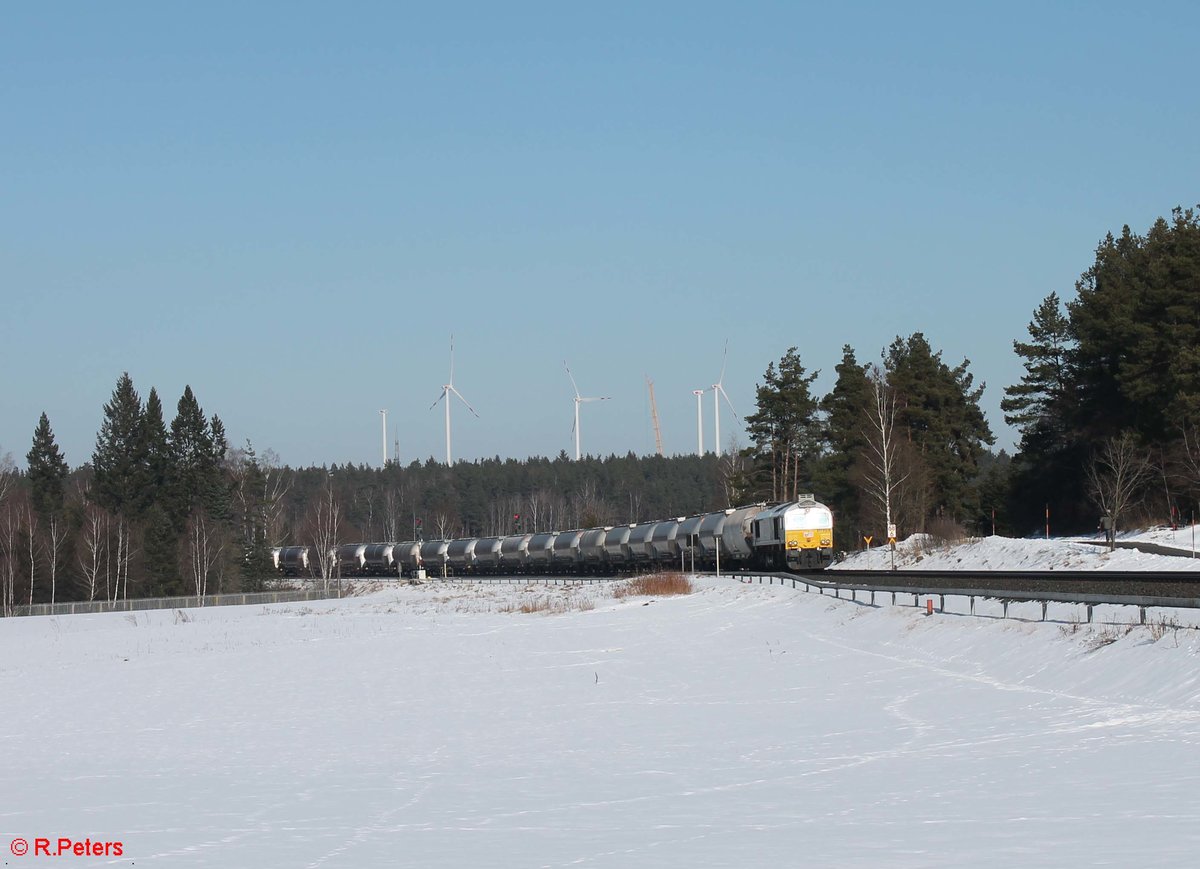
(739, 725)
(921, 552)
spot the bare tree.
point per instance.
(1116, 475)
(393, 511)
(204, 543)
(731, 469)
(93, 553)
(536, 508)
(56, 537)
(882, 475)
(33, 543)
(8, 474)
(589, 508)
(122, 558)
(326, 525)
(442, 524)
(365, 499)
(10, 542)
(278, 483)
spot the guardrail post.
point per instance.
(872, 597)
(1089, 612)
(1143, 614)
(972, 604)
(1005, 615)
(1044, 604)
(941, 603)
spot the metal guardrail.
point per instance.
(1005, 596)
(161, 603)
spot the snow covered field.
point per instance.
(736, 726)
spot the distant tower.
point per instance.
(383, 413)
(654, 417)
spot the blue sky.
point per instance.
(292, 206)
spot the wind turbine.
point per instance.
(578, 401)
(448, 388)
(718, 391)
(699, 393)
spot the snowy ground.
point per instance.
(737, 726)
(1005, 553)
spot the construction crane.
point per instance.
(654, 417)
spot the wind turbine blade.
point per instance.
(463, 400)
(724, 360)
(725, 395)
(439, 398)
(451, 357)
(601, 398)
(573, 386)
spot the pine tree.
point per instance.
(844, 441)
(47, 482)
(1047, 473)
(1039, 403)
(119, 459)
(157, 449)
(119, 465)
(939, 409)
(1137, 324)
(785, 428)
(198, 500)
(47, 471)
(197, 450)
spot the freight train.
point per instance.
(794, 535)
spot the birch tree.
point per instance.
(882, 473)
(204, 544)
(1116, 476)
(326, 526)
(92, 553)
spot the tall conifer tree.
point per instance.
(939, 409)
(48, 471)
(843, 433)
(119, 459)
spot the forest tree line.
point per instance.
(1108, 413)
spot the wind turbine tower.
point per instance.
(699, 393)
(384, 414)
(718, 389)
(578, 401)
(447, 389)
